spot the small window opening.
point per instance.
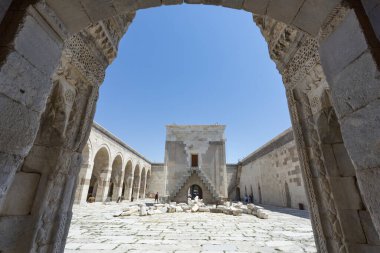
(194, 160)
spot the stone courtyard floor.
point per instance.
(94, 229)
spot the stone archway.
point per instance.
(115, 180)
(195, 191)
(53, 123)
(98, 187)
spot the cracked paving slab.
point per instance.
(94, 229)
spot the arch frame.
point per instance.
(359, 119)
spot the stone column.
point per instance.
(128, 188)
(144, 186)
(83, 183)
(103, 188)
(136, 188)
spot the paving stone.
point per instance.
(94, 229)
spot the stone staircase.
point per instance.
(205, 180)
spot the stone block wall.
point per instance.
(157, 180)
(232, 181)
(273, 174)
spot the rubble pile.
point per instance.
(196, 205)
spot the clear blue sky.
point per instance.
(193, 64)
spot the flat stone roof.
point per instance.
(117, 140)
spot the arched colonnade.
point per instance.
(110, 169)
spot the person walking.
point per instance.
(156, 198)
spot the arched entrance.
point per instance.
(195, 191)
(54, 121)
(98, 183)
(115, 180)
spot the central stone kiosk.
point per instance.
(195, 161)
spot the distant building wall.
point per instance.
(231, 180)
(273, 173)
(156, 182)
(207, 144)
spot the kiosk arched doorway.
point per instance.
(195, 190)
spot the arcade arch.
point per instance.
(116, 178)
(100, 175)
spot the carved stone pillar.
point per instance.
(128, 188)
(334, 198)
(50, 169)
(84, 178)
(103, 185)
(136, 187)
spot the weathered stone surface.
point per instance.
(352, 226)
(24, 83)
(142, 210)
(166, 231)
(284, 11)
(92, 9)
(235, 4)
(361, 136)
(274, 168)
(256, 7)
(171, 209)
(312, 15)
(45, 46)
(18, 127)
(346, 193)
(356, 85)
(21, 194)
(345, 166)
(143, 4)
(171, 2)
(77, 18)
(204, 209)
(194, 208)
(368, 183)
(334, 57)
(369, 229)
(8, 166)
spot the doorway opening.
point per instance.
(195, 191)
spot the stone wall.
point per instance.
(232, 181)
(273, 174)
(157, 180)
